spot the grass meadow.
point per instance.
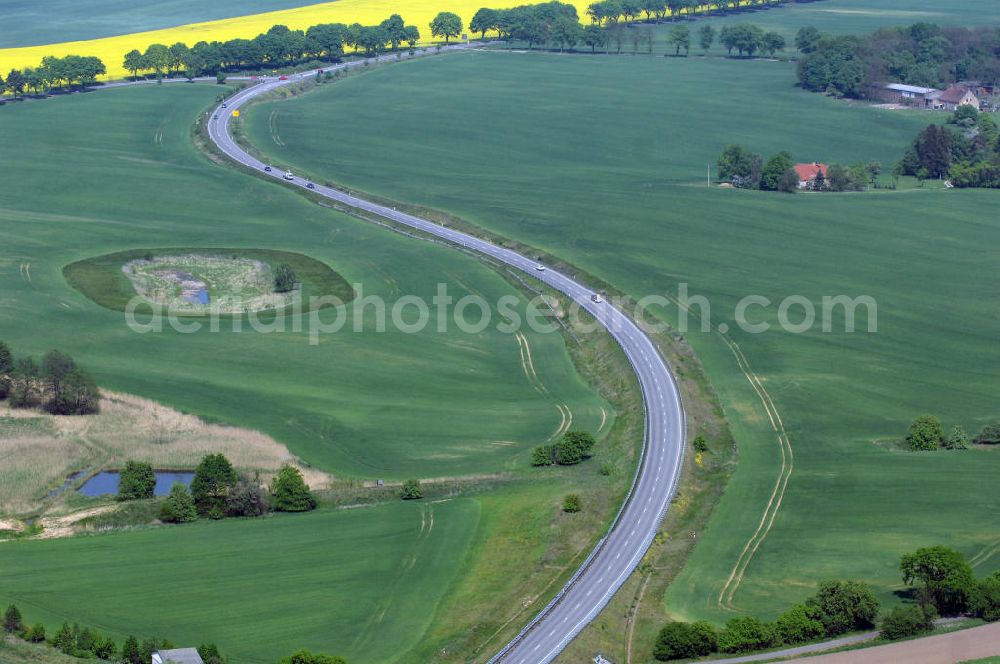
(117, 171)
(602, 161)
(368, 405)
(362, 583)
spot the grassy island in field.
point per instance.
(198, 281)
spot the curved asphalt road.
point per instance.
(621, 550)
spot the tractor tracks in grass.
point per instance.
(753, 544)
(528, 366)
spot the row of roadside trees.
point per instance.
(53, 72)
(280, 46)
(553, 23)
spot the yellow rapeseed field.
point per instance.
(112, 50)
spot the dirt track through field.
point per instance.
(960, 646)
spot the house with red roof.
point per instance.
(807, 173)
(952, 98)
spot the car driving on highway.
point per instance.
(288, 175)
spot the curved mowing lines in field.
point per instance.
(383, 605)
(777, 495)
(750, 549)
(528, 366)
(987, 552)
(272, 126)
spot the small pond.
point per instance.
(106, 482)
(199, 296)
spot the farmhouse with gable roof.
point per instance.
(807, 173)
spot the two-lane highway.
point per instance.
(618, 554)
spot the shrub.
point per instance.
(65, 639)
(130, 651)
(845, 606)
(35, 633)
(543, 455)
(308, 657)
(209, 653)
(12, 622)
(904, 621)
(571, 503)
(958, 439)
(136, 481)
(747, 633)
(246, 498)
(411, 490)
(104, 647)
(800, 623)
(284, 279)
(679, 640)
(6, 359)
(179, 506)
(289, 492)
(925, 433)
(213, 478)
(987, 602)
(990, 435)
(700, 444)
(574, 447)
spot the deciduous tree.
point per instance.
(411, 490)
(136, 481)
(447, 25)
(925, 433)
(178, 507)
(946, 579)
(213, 478)
(290, 493)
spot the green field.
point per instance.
(363, 583)
(27, 23)
(602, 161)
(370, 404)
(118, 171)
(861, 16)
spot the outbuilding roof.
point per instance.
(915, 89)
(178, 656)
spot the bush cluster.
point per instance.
(572, 448)
(836, 608)
(218, 491)
(56, 384)
(926, 433)
(746, 169)
(966, 150)
(84, 643)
